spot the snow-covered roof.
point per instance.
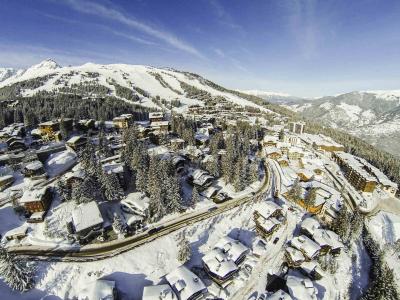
(19, 231)
(138, 200)
(76, 139)
(356, 164)
(100, 289)
(269, 224)
(158, 292)
(113, 168)
(219, 263)
(33, 195)
(86, 215)
(294, 254)
(185, 283)
(301, 288)
(268, 208)
(60, 162)
(310, 225)
(309, 266)
(329, 238)
(306, 245)
(233, 248)
(34, 166)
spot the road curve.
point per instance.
(109, 249)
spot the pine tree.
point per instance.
(295, 190)
(119, 225)
(174, 198)
(17, 273)
(63, 129)
(309, 199)
(110, 186)
(341, 225)
(195, 197)
(185, 251)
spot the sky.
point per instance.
(305, 48)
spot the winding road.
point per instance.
(96, 252)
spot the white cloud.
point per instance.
(113, 14)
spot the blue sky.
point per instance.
(301, 47)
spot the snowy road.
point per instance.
(109, 249)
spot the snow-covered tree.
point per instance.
(309, 199)
(17, 273)
(195, 197)
(110, 186)
(185, 251)
(119, 225)
(174, 198)
(295, 190)
(86, 191)
(63, 191)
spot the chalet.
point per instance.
(202, 179)
(283, 162)
(136, 203)
(186, 284)
(234, 249)
(123, 121)
(273, 153)
(211, 192)
(85, 125)
(301, 287)
(37, 217)
(309, 226)
(221, 197)
(270, 141)
(158, 292)
(328, 241)
(219, 266)
(100, 289)
(294, 257)
(305, 175)
(77, 143)
(156, 117)
(37, 200)
(308, 247)
(160, 126)
(34, 170)
(86, 217)
(44, 153)
(6, 181)
(74, 178)
(311, 269)
(17, 233)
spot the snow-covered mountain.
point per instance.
(145, 83)
(7, 73)
(274, 97)
(371, 115)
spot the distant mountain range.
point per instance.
(371, 115)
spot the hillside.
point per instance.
(149, 87)
(371, 115)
